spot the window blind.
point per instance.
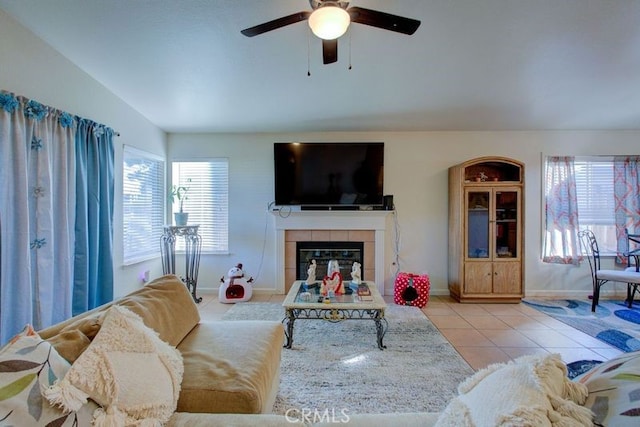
(596, 205)
(207, 200)
(143, 202)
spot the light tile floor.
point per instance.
(490, 333)
(482, 333)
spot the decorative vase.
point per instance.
(181, 218)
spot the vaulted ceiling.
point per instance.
(471, 65)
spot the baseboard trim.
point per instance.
(570, 294)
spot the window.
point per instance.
(207, 200)
(143, 205)
(595, 195)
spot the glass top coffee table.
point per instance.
(305, 302)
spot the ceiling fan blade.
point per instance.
(276, 23)
(329, 51)
(383, 20)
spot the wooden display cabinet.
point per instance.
(485, 230)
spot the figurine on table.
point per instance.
(311, 273)
(332, 283)
(356, 273)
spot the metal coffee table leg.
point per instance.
(288, 330)
(381, 330)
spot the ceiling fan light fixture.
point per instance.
(329, 22)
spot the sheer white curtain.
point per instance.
(561, 212)
(36, 214)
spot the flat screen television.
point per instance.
(325, 174)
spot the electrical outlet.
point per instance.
(144, 276)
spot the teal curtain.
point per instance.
(93, 263)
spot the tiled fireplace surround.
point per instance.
(293, 236)
(330, 226)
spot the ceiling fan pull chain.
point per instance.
(308, 52)
(349, 50)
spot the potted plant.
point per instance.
(179, 192)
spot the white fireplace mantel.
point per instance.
(330, 220)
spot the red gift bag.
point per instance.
(411, 289)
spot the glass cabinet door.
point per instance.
(506, 233)
(477, 212)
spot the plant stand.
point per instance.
(193, 246)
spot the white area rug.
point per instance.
(339, 366)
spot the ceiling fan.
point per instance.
(329, 19)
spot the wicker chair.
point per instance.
(600, 276)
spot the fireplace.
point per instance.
(368, 227)
(346, 253)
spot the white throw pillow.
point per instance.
(529, 391)
(127, 370)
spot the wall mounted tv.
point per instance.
(325, 174)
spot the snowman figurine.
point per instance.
(235, 288)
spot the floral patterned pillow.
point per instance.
(28, 365)
(614, 390)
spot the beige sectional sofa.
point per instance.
(229, 366)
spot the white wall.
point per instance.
(31, 68)
(416, 165)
